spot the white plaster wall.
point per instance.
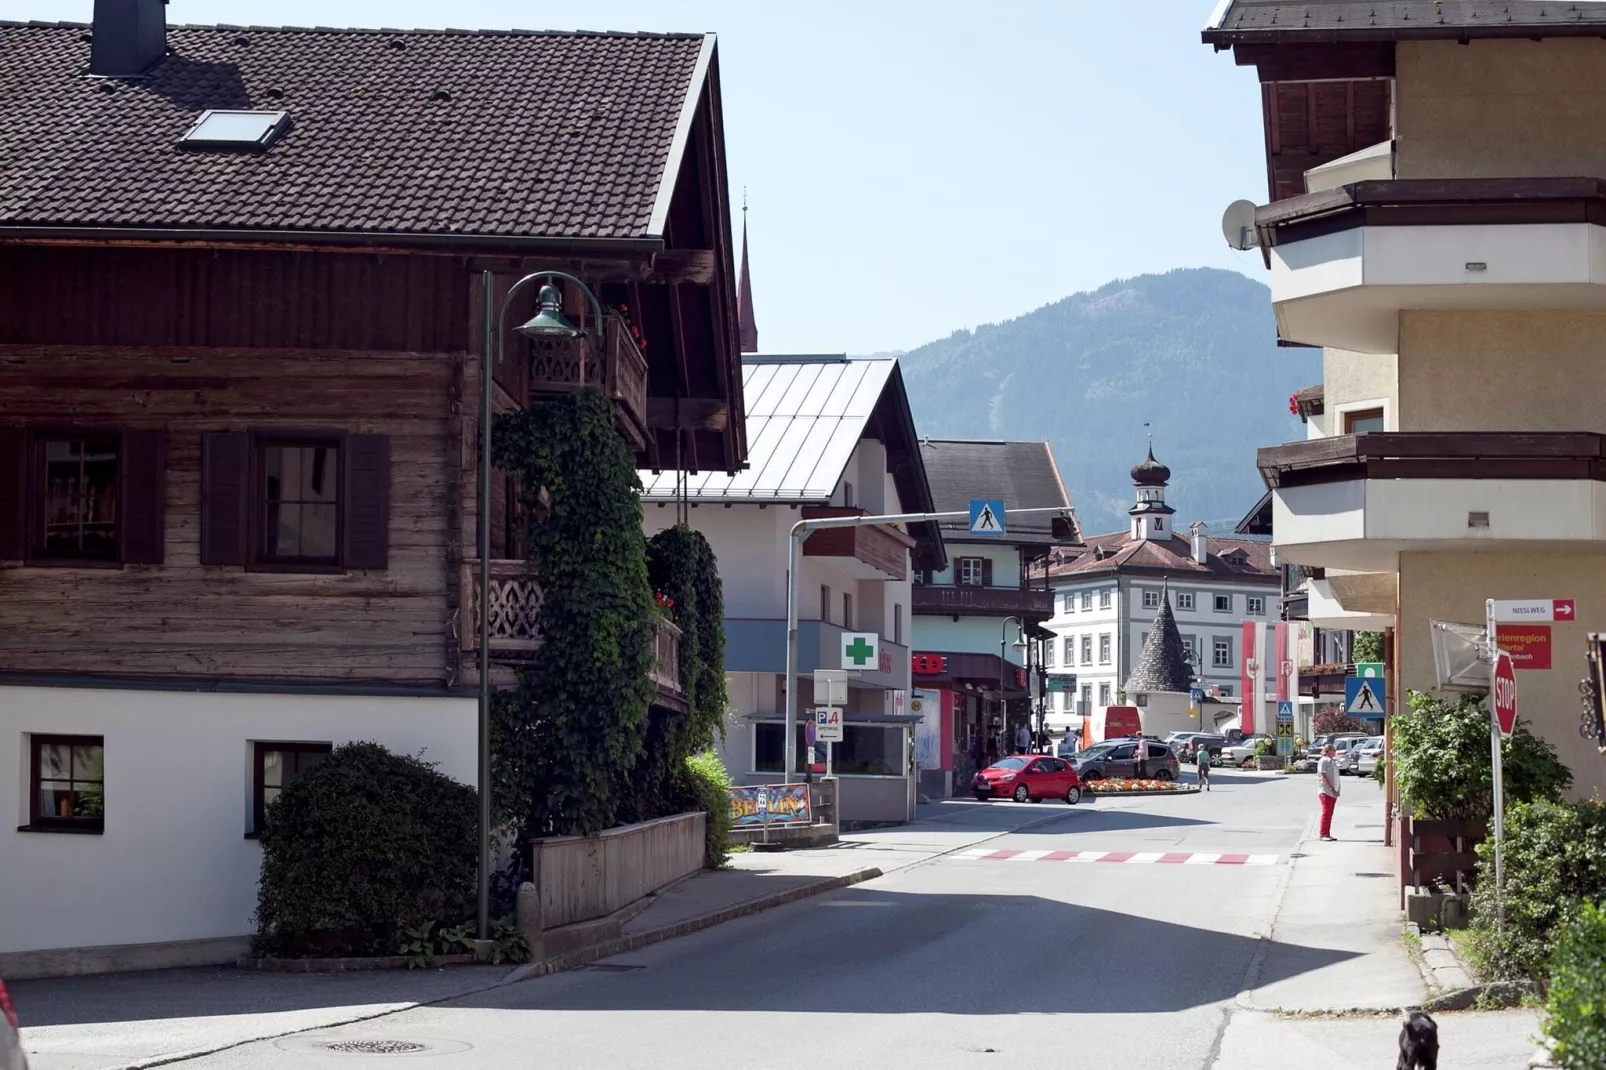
(750, 546)
(174, 863)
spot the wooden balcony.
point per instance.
(516, 626)
(615, 366)
(984, 601)
(870, 552)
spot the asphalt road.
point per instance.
(960, 962)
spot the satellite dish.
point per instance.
(1458, 661)
(1238, 225)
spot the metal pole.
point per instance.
(489, 337)
(1498, 763)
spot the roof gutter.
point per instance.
(363, 240)
(1225, 39)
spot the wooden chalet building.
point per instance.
(239, 338)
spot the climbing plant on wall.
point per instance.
(566, 740)
(685, 579)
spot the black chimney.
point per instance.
(130, 37)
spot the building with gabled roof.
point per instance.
(828, 436)
(243, 277)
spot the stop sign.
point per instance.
(1505, 694)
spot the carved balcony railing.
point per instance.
(515, 609)
(665, 672)
(614, 365)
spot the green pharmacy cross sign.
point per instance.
(859, 650)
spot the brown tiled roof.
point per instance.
(1246, 21)
(1119, 552)
(561, 135)
(1023, 474)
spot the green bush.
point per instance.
(1575, 1023)
(711, 785)
(359, 849)
(1442, 761)
(1555, 856)
(1264, 747)
(1368, 646)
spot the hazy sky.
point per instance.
(918, 166)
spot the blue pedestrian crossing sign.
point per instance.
(1285, 711)
(1364, 697)
(1285, 728)
(987, 516)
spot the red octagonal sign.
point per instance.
(1505, 694)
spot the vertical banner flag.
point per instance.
(1279, 658)
(1246, 719)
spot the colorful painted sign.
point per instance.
(784, 804)
(1528, 644)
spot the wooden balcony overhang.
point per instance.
(939, 600)
(1435, 455)
(1432, 202)
(870, 551)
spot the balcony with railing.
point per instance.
(963, 600)
(515, 626)
(614, 365)
(867, 552)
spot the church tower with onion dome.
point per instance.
(1151, 516)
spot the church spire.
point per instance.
(746, 325)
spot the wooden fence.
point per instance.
(585, 877)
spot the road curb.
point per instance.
(1263, 941)
(635, 941)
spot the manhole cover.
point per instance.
(377, 1047)
(334, 1044)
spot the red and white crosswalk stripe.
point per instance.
(1170, 858)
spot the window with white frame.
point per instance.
(1190, 644)
(1104, 648)
(1048, 654)
(1151, 599)
(1104, 694)
(1087, 694)
(1070, 651)
(1225, 690)
(1087, 650)
(1184, 599)
(1257, 605)
(971, 570)
(1223, 603)
(1104, 598)
(1087, 601)
(1221, 654)
(1070, 601)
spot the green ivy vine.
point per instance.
(566, 741)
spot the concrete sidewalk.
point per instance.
(1335, 931)
(1498, 1040)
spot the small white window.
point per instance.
(1184, 599)
(220, 129)
(1104, 694)
(970, 571)
(1151, 599)
(1225, 690)
(1070, 602)
(1257, 606)
(1221, 657)
(1223, 603)
(1104, 649)
(1048, 654)
(1087, 601)
(1087, 650)
(1104, 598)
(1070, 651)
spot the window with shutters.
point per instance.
(295, 503)
(82, 497)
(298, 500)
(973, 571)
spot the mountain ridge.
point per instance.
(1192, 351)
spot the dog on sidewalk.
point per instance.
(1419, 1043)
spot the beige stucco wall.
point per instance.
(1453, 586)
(1500, 109)
(1502, 371)
(1350, 379)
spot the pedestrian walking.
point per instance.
(1023, 739)
(1202, 756)
(1140, 759)
(1327, 788)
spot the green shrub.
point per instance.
(1442, 761)
(1264, 747)
(1555, 856)
(360, 848)
(1368, 646)
(1575, 1023)
(711, 785)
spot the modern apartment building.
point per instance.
(1437, 224)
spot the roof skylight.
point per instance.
(250, 131)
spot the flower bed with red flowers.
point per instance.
(1121, 786)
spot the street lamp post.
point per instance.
(1003, 665)
(548, 322)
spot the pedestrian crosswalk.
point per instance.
(1164, 858)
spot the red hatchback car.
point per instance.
(1029, 777)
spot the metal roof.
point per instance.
(805, 417)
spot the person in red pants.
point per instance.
(1327, 788)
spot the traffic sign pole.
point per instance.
(1498, 762)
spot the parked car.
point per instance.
(1236, 754)
(1367, 755)
(1347, 746)
(1210, 741)
(1113, 760)
(1028, 778)
(1316, 745)
(12, 1057)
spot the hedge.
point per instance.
(359, 848)
(1575, 1023)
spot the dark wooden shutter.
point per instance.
(986, 572)
(225, 497)
(144, 463)
(367, 499)
(13, 493)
